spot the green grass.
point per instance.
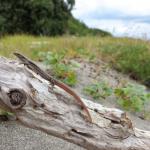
(130, 56)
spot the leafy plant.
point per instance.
(51, 58)
(65, 73)
(98, 90)
(59, 67)
(132, 97)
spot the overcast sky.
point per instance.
(121, 17)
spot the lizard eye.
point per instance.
(17, 98)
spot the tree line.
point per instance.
(38, 17)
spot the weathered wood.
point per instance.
(38, 105)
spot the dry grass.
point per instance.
(131, 56)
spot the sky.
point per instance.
(120, 17)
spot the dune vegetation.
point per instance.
(130, 56)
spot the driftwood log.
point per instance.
(39, 105)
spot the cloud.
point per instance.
(128, 7)
(121, 27)
(120, 17)
(117, 15)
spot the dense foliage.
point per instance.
(38, 17)
(48, 17)
(75, 27)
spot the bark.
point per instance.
(39, 105)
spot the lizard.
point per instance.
(53, 81)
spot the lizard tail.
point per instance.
(78, 99)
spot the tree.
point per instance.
(42, 17)
(39, 17)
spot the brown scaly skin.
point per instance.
(53, 81)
